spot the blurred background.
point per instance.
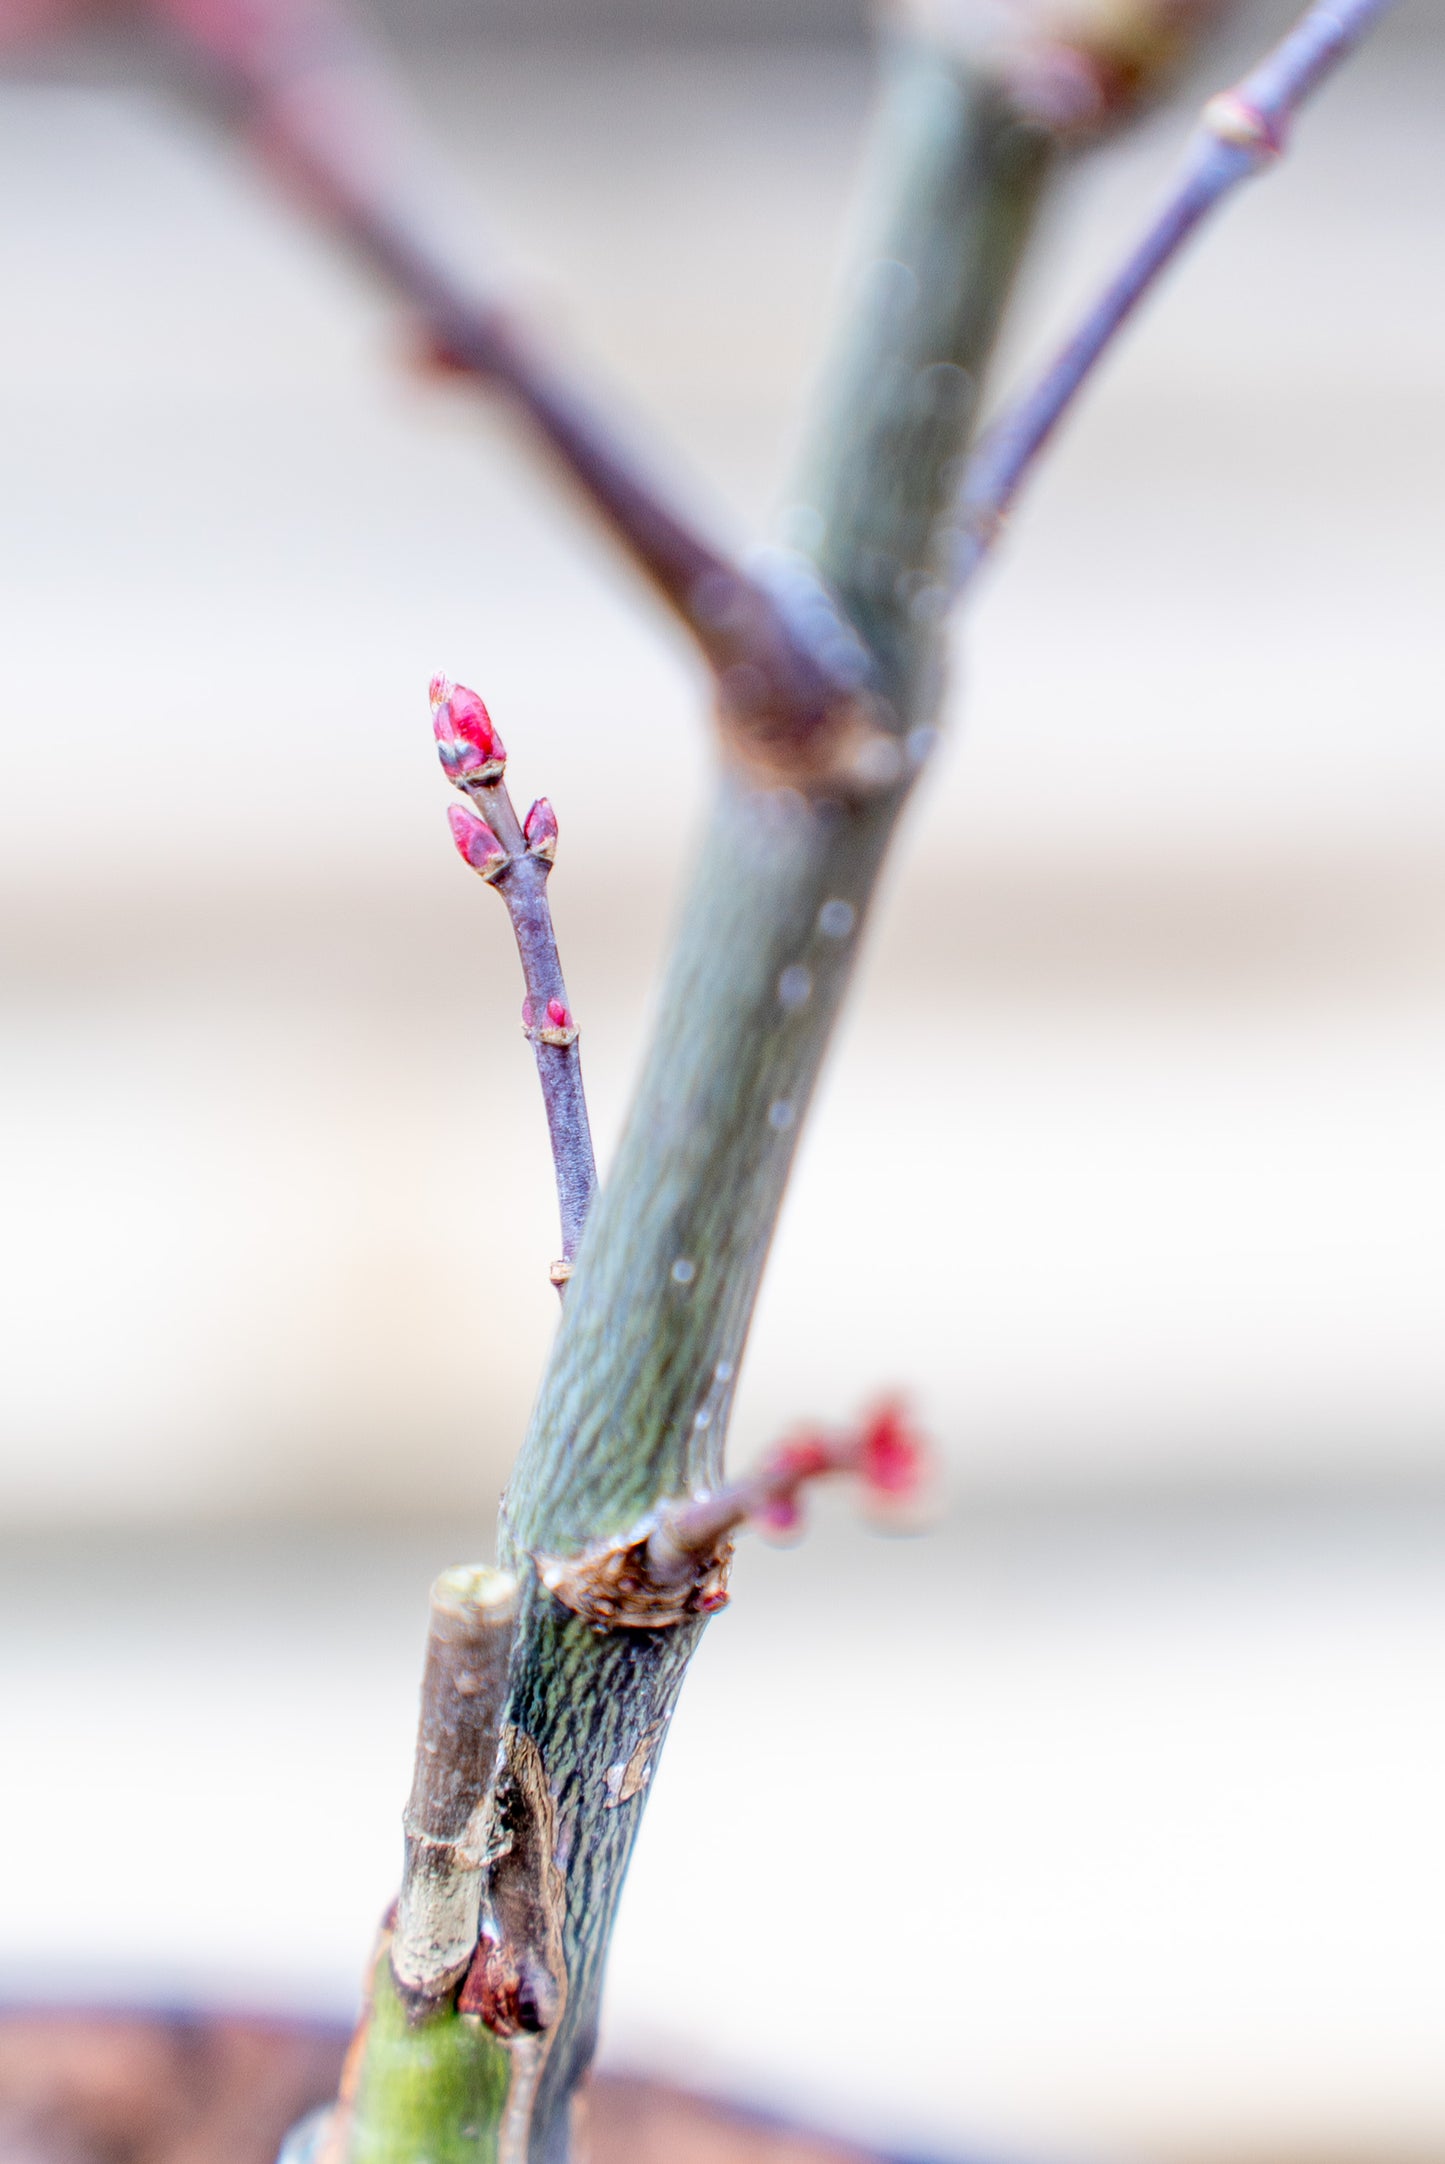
(1127, 1779)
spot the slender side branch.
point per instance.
(675, 1565)
(883, 1452)
(516, 856)
(1242, 131)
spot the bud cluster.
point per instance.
(884, 1451)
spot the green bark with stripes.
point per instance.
(635, 1402)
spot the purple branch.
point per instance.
(1243, 130)
(515, 856)
(318, 101)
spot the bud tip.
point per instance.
(891, 1457)
(467, 742)
(540, 829)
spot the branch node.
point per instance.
(618, 1585)
(1234, 120)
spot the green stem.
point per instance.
(634, 1405)
(635, 1402)
(429, 2092)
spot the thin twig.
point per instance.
(317, 98)
(884, 1451)
(515, 855)
(1242, 131)
(674, 1566)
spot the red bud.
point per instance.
(804, 1459)
(476, 844)
(783, 1515)
(558, 1015)
(891, 1458)
(540, 828)
(466, 741)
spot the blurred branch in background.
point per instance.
(1243, 131)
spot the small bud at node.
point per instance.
(476, 844)
(558, 1027)
(540, 828)
(1235, 121)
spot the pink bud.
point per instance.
(476, 843)
(468, 744)
(804, 1459)
(783, 1515)
(890, 1458)
(558, 1014)
(540, 828)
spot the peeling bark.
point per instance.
(472, 1615)
(617, 1585)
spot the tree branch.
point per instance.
(318, 101)
(1242, 131)
(635, 1402)
(516, 857)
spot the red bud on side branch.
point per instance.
(558, 1027)
(885, 1452)
(540, 829)
(476, 844)
(676, 1564)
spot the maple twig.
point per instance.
(883, 1451)
(673, 1567)
(515, 856)
(1241, 131)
